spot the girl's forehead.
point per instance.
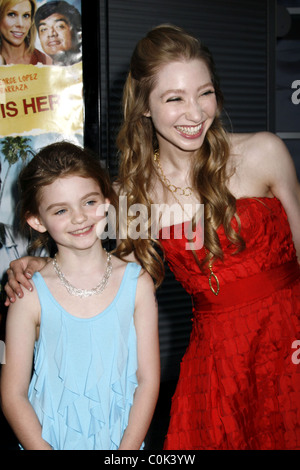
(182, 74)
(71, 185)
(84, 179)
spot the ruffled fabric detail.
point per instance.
(93, 393)
(39, 398)
(91, 411)
(124, 383)
(269, 243)
(238, 387)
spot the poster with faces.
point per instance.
(41, 96)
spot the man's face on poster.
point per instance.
(55, 34)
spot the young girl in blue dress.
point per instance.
(90, 323)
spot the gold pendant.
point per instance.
(210, 283)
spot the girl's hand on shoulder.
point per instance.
(19, 273)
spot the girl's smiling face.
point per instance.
(182, 105)
(69, 211)
(16, 23)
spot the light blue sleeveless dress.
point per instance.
(84, 374)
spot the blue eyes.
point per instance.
(63, 211)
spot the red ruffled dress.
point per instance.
(239, 383)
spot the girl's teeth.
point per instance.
(190, 130)
(83, 230)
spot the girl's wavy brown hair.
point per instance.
(137, 142)
(57, 160)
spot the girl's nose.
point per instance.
(194, 111)
(78, 216)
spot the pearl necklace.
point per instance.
(83, 293)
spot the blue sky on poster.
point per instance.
(9, 197)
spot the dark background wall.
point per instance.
(287, 97)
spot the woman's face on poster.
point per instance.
(16, 23)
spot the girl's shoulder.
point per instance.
(119, 266)
(256, 150)
(145, 286)
(28, 306)
(145, 281)
(253, 159)
(254, 144)
(132, 270)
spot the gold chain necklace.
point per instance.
(212, 275)
(173, 189)
(83, 293)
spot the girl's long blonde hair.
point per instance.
(137, 142)
(31, 36)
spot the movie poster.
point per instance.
(41, 96)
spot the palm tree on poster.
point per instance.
(14, 149)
